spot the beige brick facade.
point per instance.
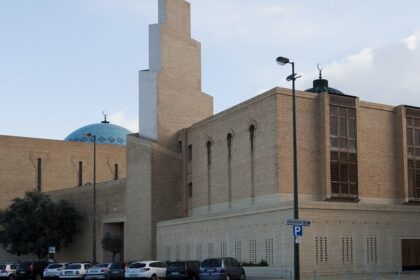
(203, 186)
(59, 165)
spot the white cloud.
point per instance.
(122, 119)
(411, 42)
(387, 74)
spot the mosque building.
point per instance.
(42, 164)
(202, 185)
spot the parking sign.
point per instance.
(297, 231)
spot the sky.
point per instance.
(64, 62)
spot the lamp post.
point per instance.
(90, 135)
(283, 61)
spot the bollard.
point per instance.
(399, 274)
(374, 274)
(314, 275)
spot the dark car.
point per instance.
(108, 271)
(31, 269)
(185, 270)
(221, 269)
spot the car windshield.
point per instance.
(25, 265)
(2, 266)
(55, 265)
(212, 263)
(176, 266)
(101, 265)
(137, 265)
(73, 266)
(117, 266)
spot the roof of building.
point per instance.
(321, 85)
(105, 132)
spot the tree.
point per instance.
(33, 223)
(113, 244)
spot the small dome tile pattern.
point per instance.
(106, 133)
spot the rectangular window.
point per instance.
(189, 152)
(343, 145)
(80, 180)
(116, 171)
(190, 190)
(413, 154)
(39, 175)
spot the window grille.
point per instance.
(371, 250)
(269, 250)
(321, 250)
(198, 252)
(210, 250)
(177, 253)
(223, 249)
(252, 251)
(238, 253)
(347, 250)
(168, 253)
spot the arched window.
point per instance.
(208, 152)
(229, 144)
(252, 135)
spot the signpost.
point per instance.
(297, 222)
(51, 253)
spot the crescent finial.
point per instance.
(320, 70)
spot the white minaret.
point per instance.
(170, 90)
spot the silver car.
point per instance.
(53, 270)
(8, 271)
(99, 271)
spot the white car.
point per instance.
(74, 270)
(146, 269)
(53, 270)
(8, 271)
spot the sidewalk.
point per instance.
(380, 276)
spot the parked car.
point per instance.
(108, 271)
(146, 269)
(221, 269)
(183, 270)
(74, 270)
(8, 271)
(52, 271)
(31, 269)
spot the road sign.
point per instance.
(297, 230)
(297, 222)
(51, 250)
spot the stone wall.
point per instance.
(59, 161)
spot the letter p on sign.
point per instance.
(297, 231)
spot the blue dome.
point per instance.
(105, 132)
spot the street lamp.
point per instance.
(90, 135)
(283, 61)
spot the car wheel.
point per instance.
(11, 277)
(154, 277)
(243, 277)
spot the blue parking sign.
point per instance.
(297, 231)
